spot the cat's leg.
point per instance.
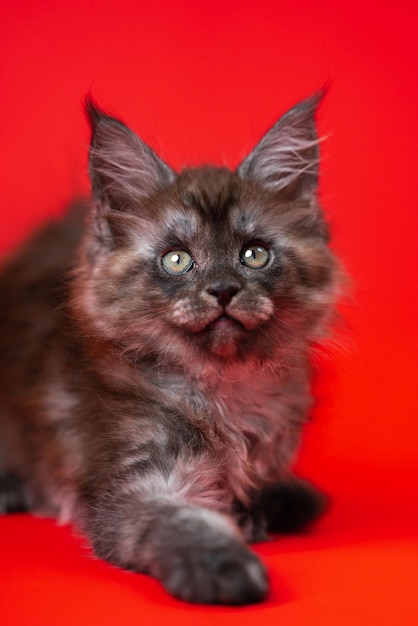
(12, 497)
(284, 507)
(151, 523)
(290, 506)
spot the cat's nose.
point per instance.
(223, 292)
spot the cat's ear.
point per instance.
(123, 169)
(287, 157)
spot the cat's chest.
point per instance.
(251, 420)
(244, 401)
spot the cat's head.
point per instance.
(208, 263)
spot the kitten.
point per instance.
(154, 358)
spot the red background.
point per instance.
(201, 81)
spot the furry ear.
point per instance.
(287, 157)
(123, 169)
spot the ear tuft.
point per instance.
(287, 157)
(92, 111)
(123, 169)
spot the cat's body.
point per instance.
(154, 373)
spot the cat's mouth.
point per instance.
(224, 322)
(222, 335)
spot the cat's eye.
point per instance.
(255, 256)
(177, 262)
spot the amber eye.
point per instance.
(255, 257)
(177, 262)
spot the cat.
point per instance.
(155, 344)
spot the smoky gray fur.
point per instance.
(159, 418)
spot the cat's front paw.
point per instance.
(291, 506)
(230, 575)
